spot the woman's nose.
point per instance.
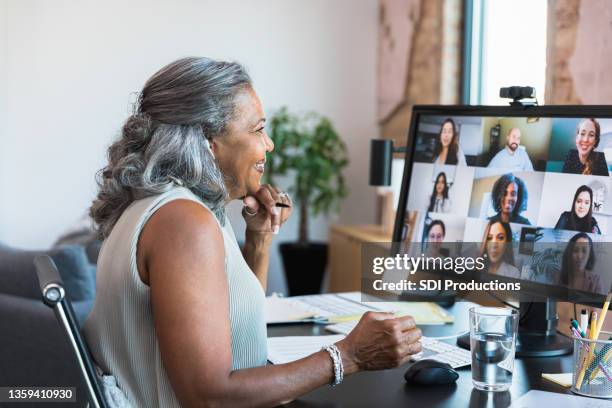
(269, 143)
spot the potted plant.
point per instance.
(309, 150)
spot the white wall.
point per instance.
(71, 66)
(3, 107)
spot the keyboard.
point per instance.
(451, 354)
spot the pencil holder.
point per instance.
(592, 369)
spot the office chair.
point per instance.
(54, 296)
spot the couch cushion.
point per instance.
(18, 275)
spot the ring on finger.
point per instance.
(247, 212)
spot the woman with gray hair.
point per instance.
(178, 318)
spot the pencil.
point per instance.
(587, 361)
(604, 310)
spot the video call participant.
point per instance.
(578, 263)
(580, 217)
(497, 250)
(584, 159)
(434, 237)
(439, 201)
(447, 150)
(509, 197)
(512, 156)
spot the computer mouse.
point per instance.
(430, 372)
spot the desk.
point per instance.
(388, 389)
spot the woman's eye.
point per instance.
(260, 130)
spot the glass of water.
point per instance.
(492, 341)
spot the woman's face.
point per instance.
(436, 234)
(440, 185)
(585, 138)
(582, 204)
(508, 200)
(241, 152)
(446, 134)
(580, 254)
(496, 242)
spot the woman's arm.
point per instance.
(256, 252)
(263, 219)
(182, 256)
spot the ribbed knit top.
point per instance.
(120, 331)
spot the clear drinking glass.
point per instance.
(492, 341)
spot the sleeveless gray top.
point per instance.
(120, 331)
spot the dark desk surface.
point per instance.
(388, 389)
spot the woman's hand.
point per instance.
(380, 341)
(261, 213)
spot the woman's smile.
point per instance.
(260, 166)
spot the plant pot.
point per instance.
(304, 267)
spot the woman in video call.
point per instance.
(497, 250)
(439, 201)
(578, 263)
(580, 217)
(447, 149)
(178, 318)
(509, 199)
(584, 159)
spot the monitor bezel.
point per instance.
(552, 111)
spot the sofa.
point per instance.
(34, 351)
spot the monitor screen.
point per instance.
(527, 188)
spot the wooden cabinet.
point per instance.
(345, 254)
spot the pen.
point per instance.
(584, 320)
(587, 360)
(607, 349)
(578, 328)
(598, 362)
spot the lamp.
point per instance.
(381, 156)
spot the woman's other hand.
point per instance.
(261, 213)
(380, 341)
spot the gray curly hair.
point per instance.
(181, 107)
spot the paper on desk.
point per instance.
(286, 349)
(564, 379)
(424, 313)
(535, 398)
(283, 310)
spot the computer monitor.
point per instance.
(526, 188)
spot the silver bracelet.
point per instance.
(336, 357)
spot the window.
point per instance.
(506, 46)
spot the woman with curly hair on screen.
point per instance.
(509, 199)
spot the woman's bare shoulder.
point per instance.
(181, 228)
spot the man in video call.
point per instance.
(512, 156)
